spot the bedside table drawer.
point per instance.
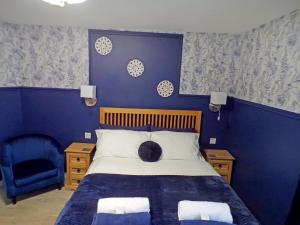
(221, 166)
(77, 176)
(77, 171)
(75, 181)
(78, 159)
(222, 172)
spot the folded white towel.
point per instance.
(196, 210)
(123, 205)
(204, 216)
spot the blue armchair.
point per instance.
(29, 163)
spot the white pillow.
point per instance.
(119, 143)
(177, 145)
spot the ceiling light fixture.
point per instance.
(61, 3)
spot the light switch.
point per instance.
(213, 141)
(87, 135)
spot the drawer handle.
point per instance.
(78, 159)
(78, 170)
(220, 166)
(78, 181)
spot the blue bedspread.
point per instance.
(164, 193)
(123, 219)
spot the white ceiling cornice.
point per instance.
(220, 16)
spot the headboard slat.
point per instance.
(131, 117)
(170, 121)
(189, 122)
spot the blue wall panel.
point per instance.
(59, 113)
(265, 142)
(11, 119)
(161, 56)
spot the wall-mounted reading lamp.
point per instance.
(88, 92)
(217, 99)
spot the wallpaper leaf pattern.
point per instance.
(208, 63)
(269, 65)
(261, 66)
(43, 56)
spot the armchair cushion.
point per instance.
(34, 170)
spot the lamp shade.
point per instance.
(88, 91)
(218, 98)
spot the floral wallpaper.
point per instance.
(43, 56)
(261, 66)
(269, 64)
(208, 63)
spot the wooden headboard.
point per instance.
(163, 118)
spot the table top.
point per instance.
(218, 154)
(81, 147)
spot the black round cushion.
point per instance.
(150, 151)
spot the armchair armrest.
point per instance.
(57, 158)
(6, 163)
(55, 155)
(5, 155)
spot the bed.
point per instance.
(165, 182)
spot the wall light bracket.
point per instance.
(217, 99)
(88, 92)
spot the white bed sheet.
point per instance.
(131, 166)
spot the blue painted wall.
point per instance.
(63, 115)
(265, 142)
(57, 112)
(11, 118)
(161, 56)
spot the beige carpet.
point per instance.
(35, 209)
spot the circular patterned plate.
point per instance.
(135, 68)
(165, 88)
(103, 45)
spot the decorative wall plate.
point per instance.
(135, 68)
(103, 45)
(165, 88)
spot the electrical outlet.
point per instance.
(213, 141)
(87, 135)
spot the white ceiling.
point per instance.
(222, 16)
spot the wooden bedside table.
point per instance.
(221, 161)
(79, 158)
